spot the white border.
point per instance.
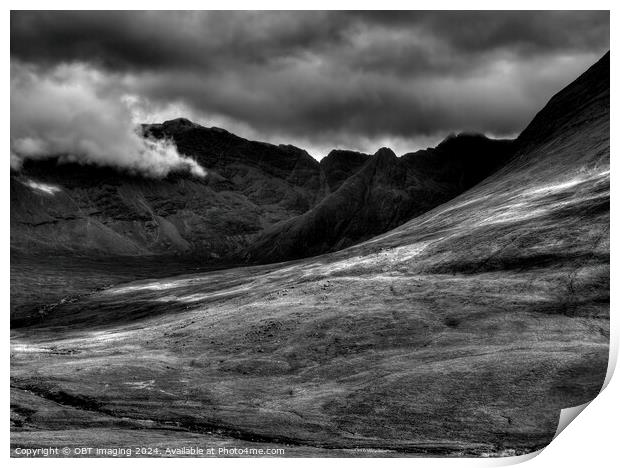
(590, 441)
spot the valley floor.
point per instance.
(315, 360)
(39, 283)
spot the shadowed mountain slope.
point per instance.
(464, 331)
(339, 165)
(249, 187)
(385, 192)
(242, 161)
(68, 208)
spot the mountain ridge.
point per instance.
(249, 187)
(385, 192)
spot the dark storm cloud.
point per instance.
(152, 40)
(326, 78)
(160, 40)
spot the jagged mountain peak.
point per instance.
(461, 139)
(385, 153)
(382, 192)
(180, 122)
(341, 153)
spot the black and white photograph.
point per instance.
(318, 234)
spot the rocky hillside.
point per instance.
(339, 165)
(258, 202)
(385, 192)
(249, 186)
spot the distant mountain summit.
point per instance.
(232, 156)
(339, 165)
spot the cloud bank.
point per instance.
(71, 112)
(319, 80)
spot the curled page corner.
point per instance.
(567, 415)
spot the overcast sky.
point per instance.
(319, 80)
